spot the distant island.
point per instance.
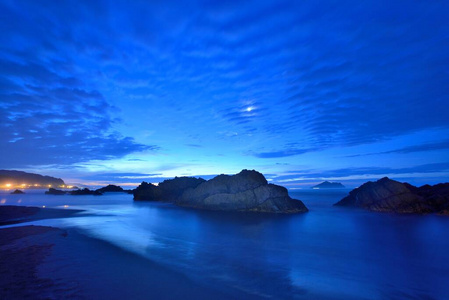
(387, 195)
(17, 192)
(247, 191)
(81, 192)
(17, 179)
(329, 185)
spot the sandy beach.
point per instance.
(41, 262)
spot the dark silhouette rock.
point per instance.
(52, 191)
(174, 188)
(85, 191)
(110, 189)
(148, 192)
(388, 195)
(169, 190)
(17, 192)
(329, 185)
(245, 191)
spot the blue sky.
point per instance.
(303, 91)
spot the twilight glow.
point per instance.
(119, 92)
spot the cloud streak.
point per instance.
(441, 145)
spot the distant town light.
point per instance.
(8, 185)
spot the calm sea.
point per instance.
(327, 253)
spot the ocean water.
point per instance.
(328, 253)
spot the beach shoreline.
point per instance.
(42, 262)
(11, 214)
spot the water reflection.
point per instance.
(328, 253)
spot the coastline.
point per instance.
(42, 262)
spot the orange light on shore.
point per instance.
(8, 185)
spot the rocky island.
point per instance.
(245, 191)
(17, 192)
(111, 188)
(52, 191)
(387, 195)
(98, 192)
(77, 192)
(329, 185)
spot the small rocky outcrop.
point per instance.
(329, 185)
(17, 192)
(110, 189)
(52, 191)
(386, 195)
(84, 191)
(245, 191)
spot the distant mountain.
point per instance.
(329, 185)
(12, 179)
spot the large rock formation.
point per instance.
(245, 191)
(388, 195)
(168, 190)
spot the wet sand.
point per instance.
(40, 262)
(10, 214)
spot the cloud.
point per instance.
(361, 172)
(282, 153)
(316, 73)
(50, 116)
(194, 145)
(115, 177)
(441, 145)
